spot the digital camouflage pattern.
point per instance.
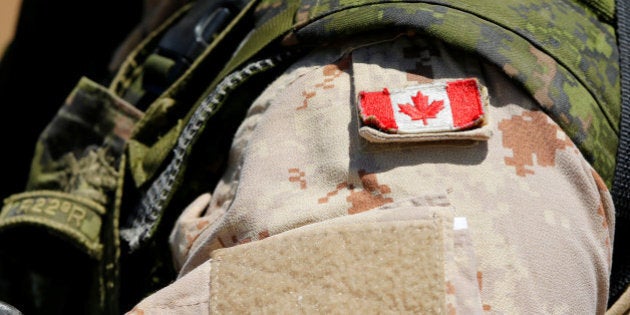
(563, 53)
(299, 166)
(74, 176)
(84, 167)
(538, 50)
(558, 50)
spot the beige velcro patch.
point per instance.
(391, 266)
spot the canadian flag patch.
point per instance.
(441, 106)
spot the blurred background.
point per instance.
(47, 46)
(9, 10)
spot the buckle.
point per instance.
(178, 48)
(184, 42)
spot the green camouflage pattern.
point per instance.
(74, 179)
(156, 134)
(535, 42)
(84, 165)
(77, 218)
(133, 66)
(563, 53)
(604, 8)
(300, 162)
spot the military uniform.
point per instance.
(303, 183)
(326, 202)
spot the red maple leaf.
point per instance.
(422, 109)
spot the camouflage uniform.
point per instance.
(301, 176)
(316, 210)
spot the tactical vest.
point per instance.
(117, 163)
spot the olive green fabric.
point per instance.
(604, 8)
(563, 53)
(79, 150)
(157, 133)
(69, 209)
(79, 218)
(132, 67)
(259, 38)
(154, 137)
(535, 42)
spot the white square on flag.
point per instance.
(440, 106)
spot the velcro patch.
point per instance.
(361, 267)
(440, 106)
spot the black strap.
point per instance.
(620, 276)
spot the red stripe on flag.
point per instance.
(376, 109)
(465, 102)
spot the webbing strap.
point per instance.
(145, 218)
(259, 39)
(621, 184)
(620, 274)
(147, 215)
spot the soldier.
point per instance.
(443, 157)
